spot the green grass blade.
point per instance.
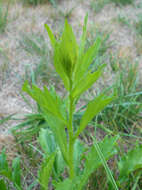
(108, 171)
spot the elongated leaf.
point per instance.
(47, 141)
(45, 171)
(93, 161)
(86, 60)
(83, 36)
(2, 185)
(86, 82)
(62, 65)
(130, 162)
(108, 171)
(65, 55)
(93, 108)
(48, 144)
(78, 151)
(5, 171)
(3, 161)
(16, 172)
(58, 129)
(51, 36)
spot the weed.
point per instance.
(71, 62)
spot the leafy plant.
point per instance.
(71, 62)
(9, 174)
(128, 164)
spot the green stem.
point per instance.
(71, 139)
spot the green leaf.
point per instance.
(45, 171)
(44, 98)
(93, 108)
(58, 130)
(16, 172)
(65, 55)
(130, 162)
(47, 141)
(2, 185)
(83, 36)
(51, 36)
(48, 144)
(65, 185)
(85, 61)
(108, 171)
(78, 151)
(5, 171)
(93, 161)
(68, 184)
(86, 82)
(62, 65)
(3, 161)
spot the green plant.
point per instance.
(9, 174)
(71, 62)
(3, 16)
(130, 163)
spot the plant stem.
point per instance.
(71, 139)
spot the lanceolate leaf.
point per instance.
(47, 141)
(49, 145)
(16, 172)
(51, 36)
(62, 65)
(58, 129)
(93, 108)
(5, 171)
(83, 37)
(65, 53)
(45, 171)
(86, 59)
(130, 162)
(86, 82)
